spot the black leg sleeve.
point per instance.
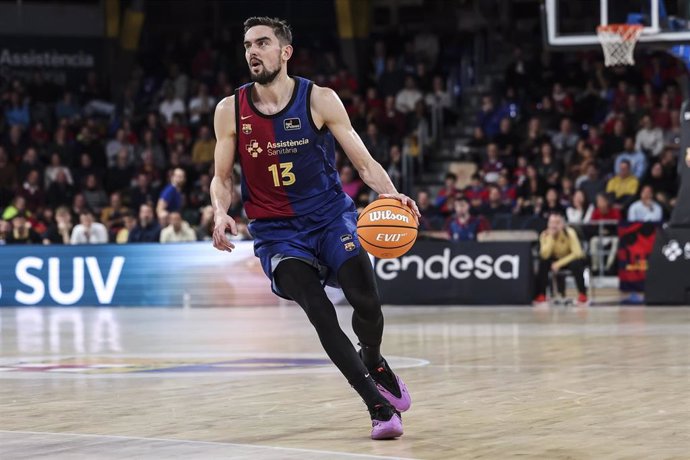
(301, 282)
(543, 275)
(577, 266)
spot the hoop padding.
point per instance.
(618, 42)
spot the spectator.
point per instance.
(56, 167)
(494, 206)
(18, 206)
(204, 231)
(535, 138)
(119, 177)
(431, 219)
(565, 140)
(478, 140)
(508, 190)
(32, 191)
(439, 100)
(171, 196)
(201, 107)
(463, 226)
(549, 205)
(376, 144)
(150, 143)
(637, 159)
(645, 209)
(60, 192)
(22, 232)
(88, 231)
(547, 164)
(560, 249)
(5, 232)
(623, 185)
(142, 192)
(449, 190)
(659, 181)
(147, 230)
(590, 183)
(114, 146)
(506, 140)
(603, 214)
(130, 222)
(177, 132)
(476, 193)
(391, 121)
(579, 212)
(178, 231)
(112, 215)
(8, 176)
(391, 80)
(649, 139)
(61, 230)
(170, 106)
(204, 147)
(532, 188)
(633, 112)
(17, 111)
(492, 166)
(488, 117)
(30, 162)
(94, 194)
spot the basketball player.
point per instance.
(282, 130)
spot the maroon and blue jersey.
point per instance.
(288, 165)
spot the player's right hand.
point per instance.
(222, 224)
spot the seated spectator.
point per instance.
(32, 191)
(532, 188)
(407, 98)
(476, 192)
(449, 190)
(494, 206)
(506, 140)
(150, 142)
(391, 121)
(590, 183)
(637, 159)
(116, 145)
(94, 194)
(566, 191)
(177, 132)
(547, 163)
(549, 205)
(202, 106)
(171, 105)
(508, 190)
(17, 206)
(204, 231)
(56, 167)
(559, 249)
(376, 144)
(463, 226)
(17, 111)
(351, 184)
(478, 140)
(659, 181)
(5, 230)
(8, 175)
(624, 185)
(439, 100)
(645, 209)
(565, 140)
(492, 165)
(119, 177)
(129, 221)
(203, 149)
(171, 197)
(67, 107)
(431, 219)
(535, 137)
(178, 231)
(88, 231)
(488, 117)
(649, 139)
(22, 232)
(112, 215)
(60, 231)
(147, 230)
(579, 212)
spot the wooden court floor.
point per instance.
(488, 383)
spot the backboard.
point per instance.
(573, 23)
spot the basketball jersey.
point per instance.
(288, 165)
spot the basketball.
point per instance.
(386, 229)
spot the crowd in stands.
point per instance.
(566, 135)
(561, 135)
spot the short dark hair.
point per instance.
(280, 27)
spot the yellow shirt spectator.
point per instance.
(620, 186)
(564, 246)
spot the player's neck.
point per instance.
(276, 93)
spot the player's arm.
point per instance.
(328, 109)
(221, 184)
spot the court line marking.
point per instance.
(215, 443)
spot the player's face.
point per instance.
(264, 54)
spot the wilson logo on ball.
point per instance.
(387, 215)
(394, 237)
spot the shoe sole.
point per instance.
(389, 429)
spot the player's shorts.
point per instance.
(324, 239)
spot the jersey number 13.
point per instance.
(285, 177)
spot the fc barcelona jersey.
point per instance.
(288, 165)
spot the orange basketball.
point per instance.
(386, 228)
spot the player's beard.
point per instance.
(266, 76)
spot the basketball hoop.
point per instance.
(618, 42)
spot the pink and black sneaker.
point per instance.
(391, 386)
(386, 422)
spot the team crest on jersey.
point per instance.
(292, 124)
(346, 237)
(247, 128)
(254, 149)
(350, 246)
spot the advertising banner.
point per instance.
(189, 274)
(635, 244)
(668, 277)
(464, 273)
(60, 59)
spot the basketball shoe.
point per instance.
(386, 422)
(390, 385)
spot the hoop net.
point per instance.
(618, 42)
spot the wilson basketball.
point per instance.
(386, 229)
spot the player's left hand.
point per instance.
(554, 267)
(406, 201)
